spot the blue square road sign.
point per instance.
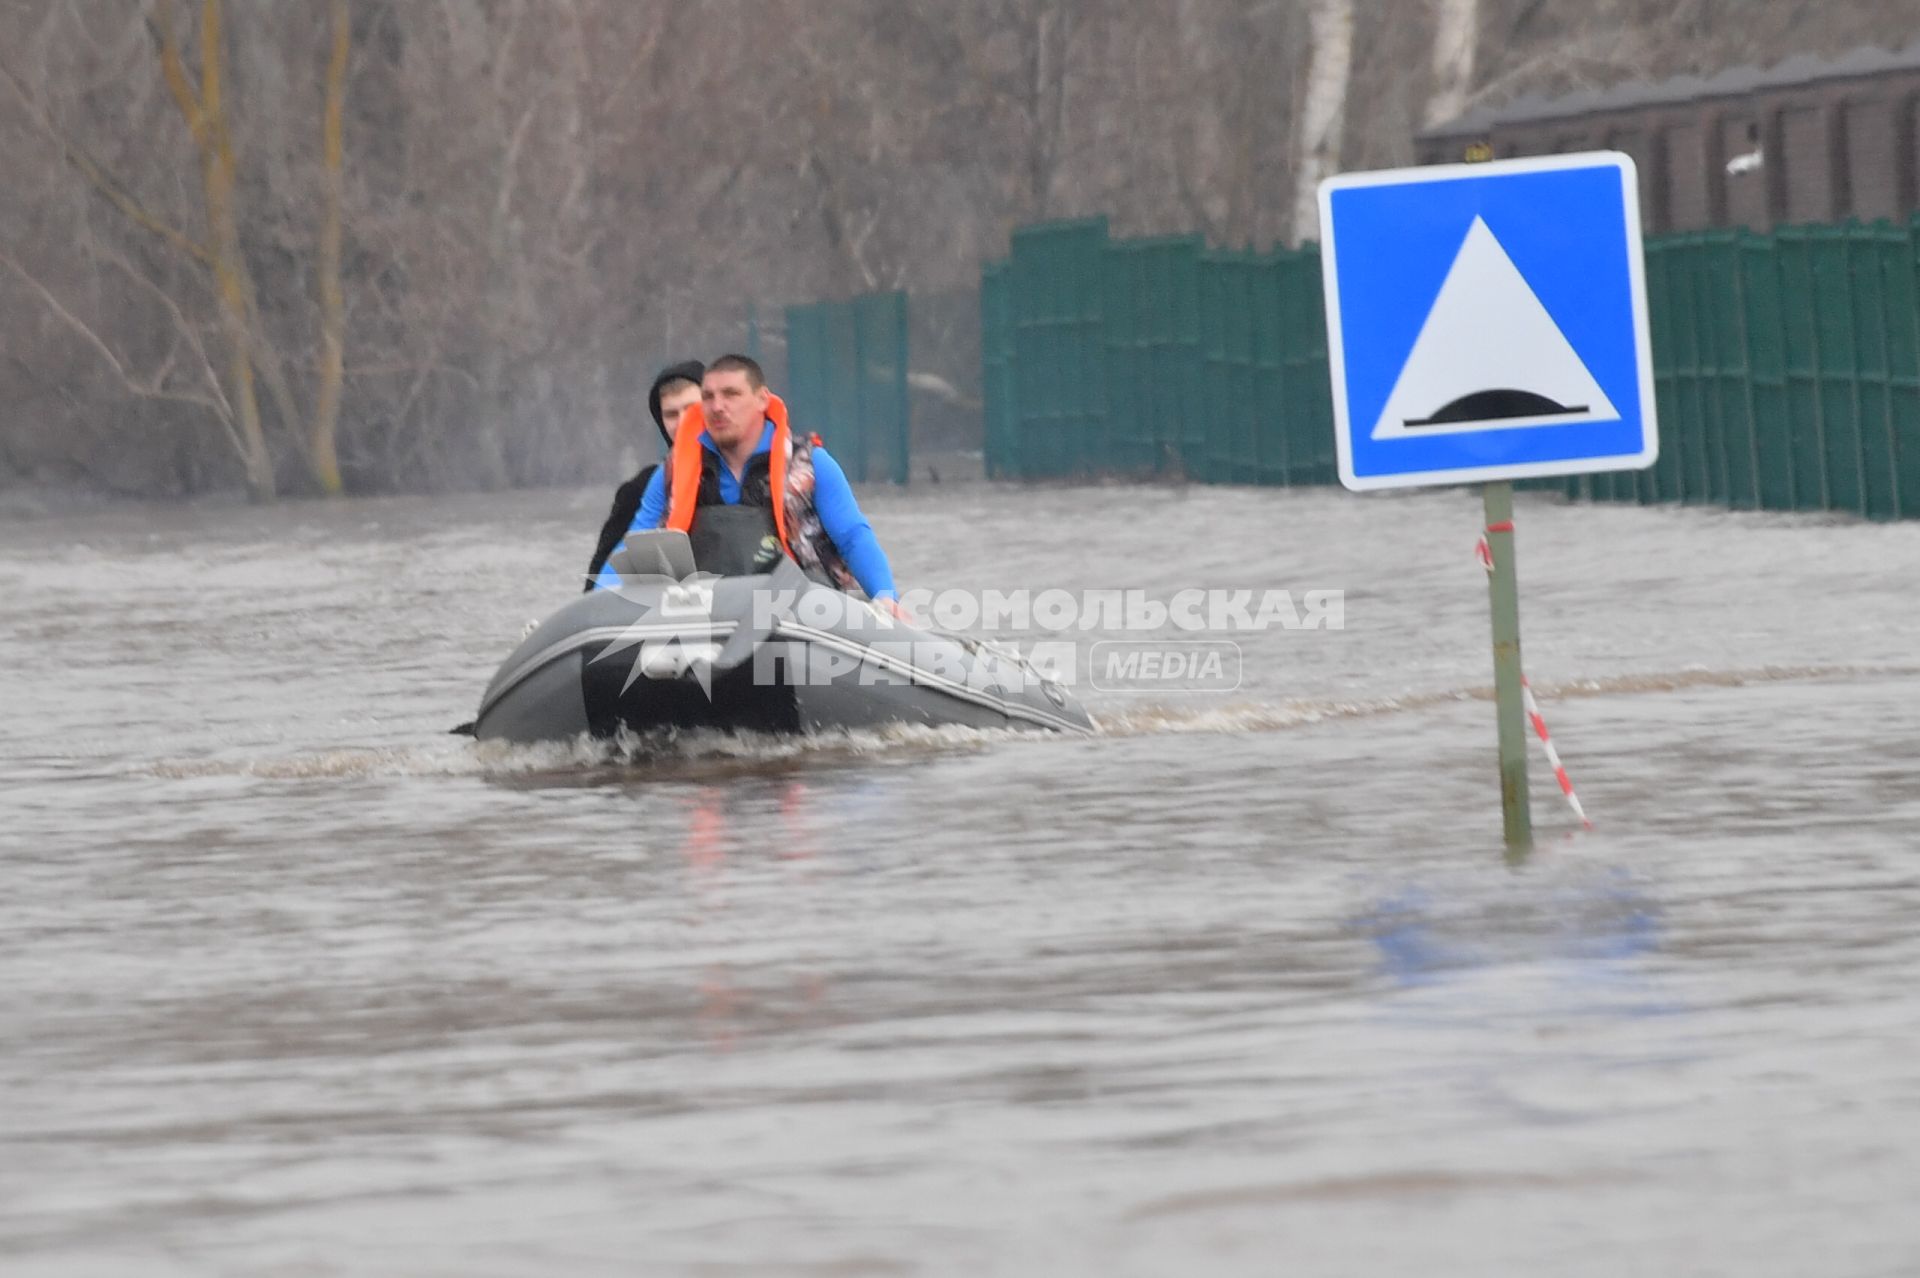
(1488, 321)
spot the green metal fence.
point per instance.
(847, 379)
(1787, 366)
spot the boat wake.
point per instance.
(708, 754)
(694, 753)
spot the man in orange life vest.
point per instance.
(746, 491)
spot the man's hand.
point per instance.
(888, 606)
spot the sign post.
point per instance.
(1487, 323)
(1516, 811)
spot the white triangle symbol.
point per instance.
(1490, 357)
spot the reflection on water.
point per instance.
(1420, 940)
(297, 983)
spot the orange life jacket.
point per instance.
(683, 468)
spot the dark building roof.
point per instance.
(1794, 72)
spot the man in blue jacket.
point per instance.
(725, 499)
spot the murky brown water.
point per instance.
(293, 983)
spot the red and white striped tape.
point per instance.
(1485, 554)
(1553, 755)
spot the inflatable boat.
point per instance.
(776, 652)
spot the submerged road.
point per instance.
(293, 983)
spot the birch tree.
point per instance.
(1323, 111)
(1456, 41)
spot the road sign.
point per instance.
(1488, 321)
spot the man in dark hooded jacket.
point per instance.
(672, 392)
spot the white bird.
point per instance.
(1746, 163)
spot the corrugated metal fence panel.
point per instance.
(1900, 266)
(1123, 447)
(1766, 351)
(1836, 376)
(1723, 349)
(1306, 414)
(1175, 285)
(808, 364)
(1129, 445)
(1178, 364)
(1666, 480)
(1060, 350)
(1267, 355)
(1204, 462)
(1703, 472)
(1151, 310)
(1231, 451)
(847, 380)
(1805, 427)
(1872, 305)
(881, 400)
(1243, 458)
(843, 422)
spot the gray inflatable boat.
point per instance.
(780, 652)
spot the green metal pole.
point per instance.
(1516, 817)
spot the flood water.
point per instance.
(294, 983)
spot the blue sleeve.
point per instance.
(653, 502)
(849, 530)
(652, 513)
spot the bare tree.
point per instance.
(1019, 55)
(202, 388)
(324, 448)
(204, 108)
